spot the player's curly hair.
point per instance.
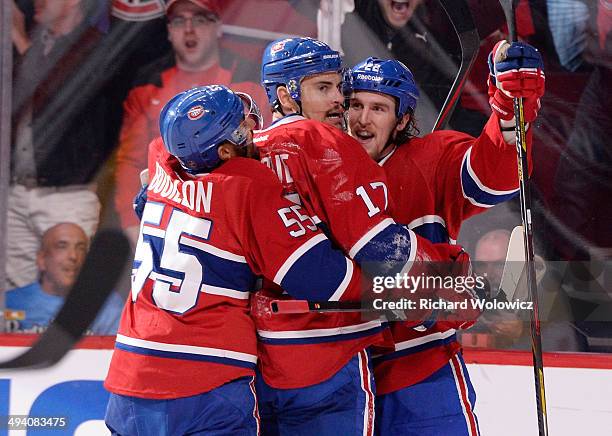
(410, 131)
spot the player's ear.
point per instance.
(403, 122)
(226, 151)
(286, 101)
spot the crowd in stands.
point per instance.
(90, 78)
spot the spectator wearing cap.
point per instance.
(196, 59)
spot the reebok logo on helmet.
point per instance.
(369, 77)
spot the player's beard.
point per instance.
(391, 141)
(248, 150)
(338, 114)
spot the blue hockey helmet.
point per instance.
(195, 122)
(287, 61)
(387, 76)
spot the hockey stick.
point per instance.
(305, 306)
(514, 268)
(513, 284)
(97, 279)
(460, 16)
(284, 307)
(510, 282)
(509, 7)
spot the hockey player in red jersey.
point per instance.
(316, 376)
(436, 182)
(186, 348)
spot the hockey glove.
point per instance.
(139, 201)
(515, 70)
(447, 278)
(466, 293)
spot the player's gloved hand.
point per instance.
(447, 277)
(139, 201)
(454, 283)
(467, 290)
(516, 70)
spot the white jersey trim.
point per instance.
(345, 282)
(281, 122)
(295, 256)
(225, 292)
(387, 157)
(424, 340)
(369, 235)
(315, 333)
(467, 157)
(427, 219)
(475, 203)
(212, 250)
(191, 349)
(413, 251)
(430, 219)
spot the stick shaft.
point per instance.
(525, 200)
(304, 306)
(509, 7)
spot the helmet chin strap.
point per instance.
(278, 108)
(299, 105)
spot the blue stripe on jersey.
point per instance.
(216, 271)
(184, 356)
(322, 339)
(472, 191)
(225, 273)
(416, 349)
(434, 232)
(316, 274)
(386, 253)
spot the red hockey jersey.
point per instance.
(344, 191)
(436, 182)
(203, 241)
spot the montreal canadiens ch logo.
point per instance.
(280, 45)
(195, 113)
